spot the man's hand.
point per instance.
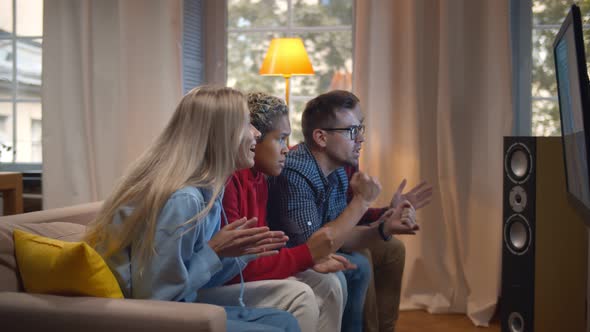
(397, 222)
(365, 187)
(419, 196)
(333, 263)
(321, 244)
(240, 238)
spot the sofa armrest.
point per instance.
(37, 312)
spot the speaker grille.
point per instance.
(518, 163)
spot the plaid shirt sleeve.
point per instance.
(292, 207)
(372, 214)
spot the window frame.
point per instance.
(521, 33)
(521, 28)
(15, 99)
(289, 31)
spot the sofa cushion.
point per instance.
(9, 277)
(50, 266)
(66, 223)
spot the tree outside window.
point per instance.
(325, 26)
(548, 15)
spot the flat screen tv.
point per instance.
(574, 106)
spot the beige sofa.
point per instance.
(20, 311)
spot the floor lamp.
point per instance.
(286, 57)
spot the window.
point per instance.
(192, 54)
(21, 40)
(325, 26)
(36, 140)
(547, 19)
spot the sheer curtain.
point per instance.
(111, 80)
(434, 82)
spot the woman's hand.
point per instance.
(239, 238)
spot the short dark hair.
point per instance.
(320, 112)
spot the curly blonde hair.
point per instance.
(264, 110)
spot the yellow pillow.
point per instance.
(56, 267)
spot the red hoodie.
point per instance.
(246, 195)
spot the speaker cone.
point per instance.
(517, 234)
(515, 322)
(517, 199)
(518, 163)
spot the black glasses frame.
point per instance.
(353, 131)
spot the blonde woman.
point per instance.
(160, 230)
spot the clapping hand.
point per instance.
(241, 238)
(333, 263)
(400, 220)
(419, 196)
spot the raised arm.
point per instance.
(294, 208)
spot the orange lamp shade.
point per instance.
(286, 57)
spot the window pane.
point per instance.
(6, 60)
(28, 63)
(331, 56)
(545, 118)
(5, 17)
(555, 11)
(296, 107)
(28, 125)
(256, 13)
(544, 83)
(29, 17)
(6, 132)
(322, 12)
(245, 52)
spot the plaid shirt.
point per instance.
(302, 199)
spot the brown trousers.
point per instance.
(382, 301)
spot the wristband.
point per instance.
(382, 233)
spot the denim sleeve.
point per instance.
(231, 268)
(183, 262)
(292, 207)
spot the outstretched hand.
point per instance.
(400, 220)
(419, 196)
(333, 263)
(241, 238)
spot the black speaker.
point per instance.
(545, 242)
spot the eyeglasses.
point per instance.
(354, 131)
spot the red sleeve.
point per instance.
(372, 214)
(230, 201)
(287, 262)
(236, 204)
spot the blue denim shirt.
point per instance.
(302, 199)
(183, 262)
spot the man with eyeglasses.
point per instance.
(311, 193)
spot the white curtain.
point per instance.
(434, 80)
(111, 80)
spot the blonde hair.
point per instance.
(201, 146)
